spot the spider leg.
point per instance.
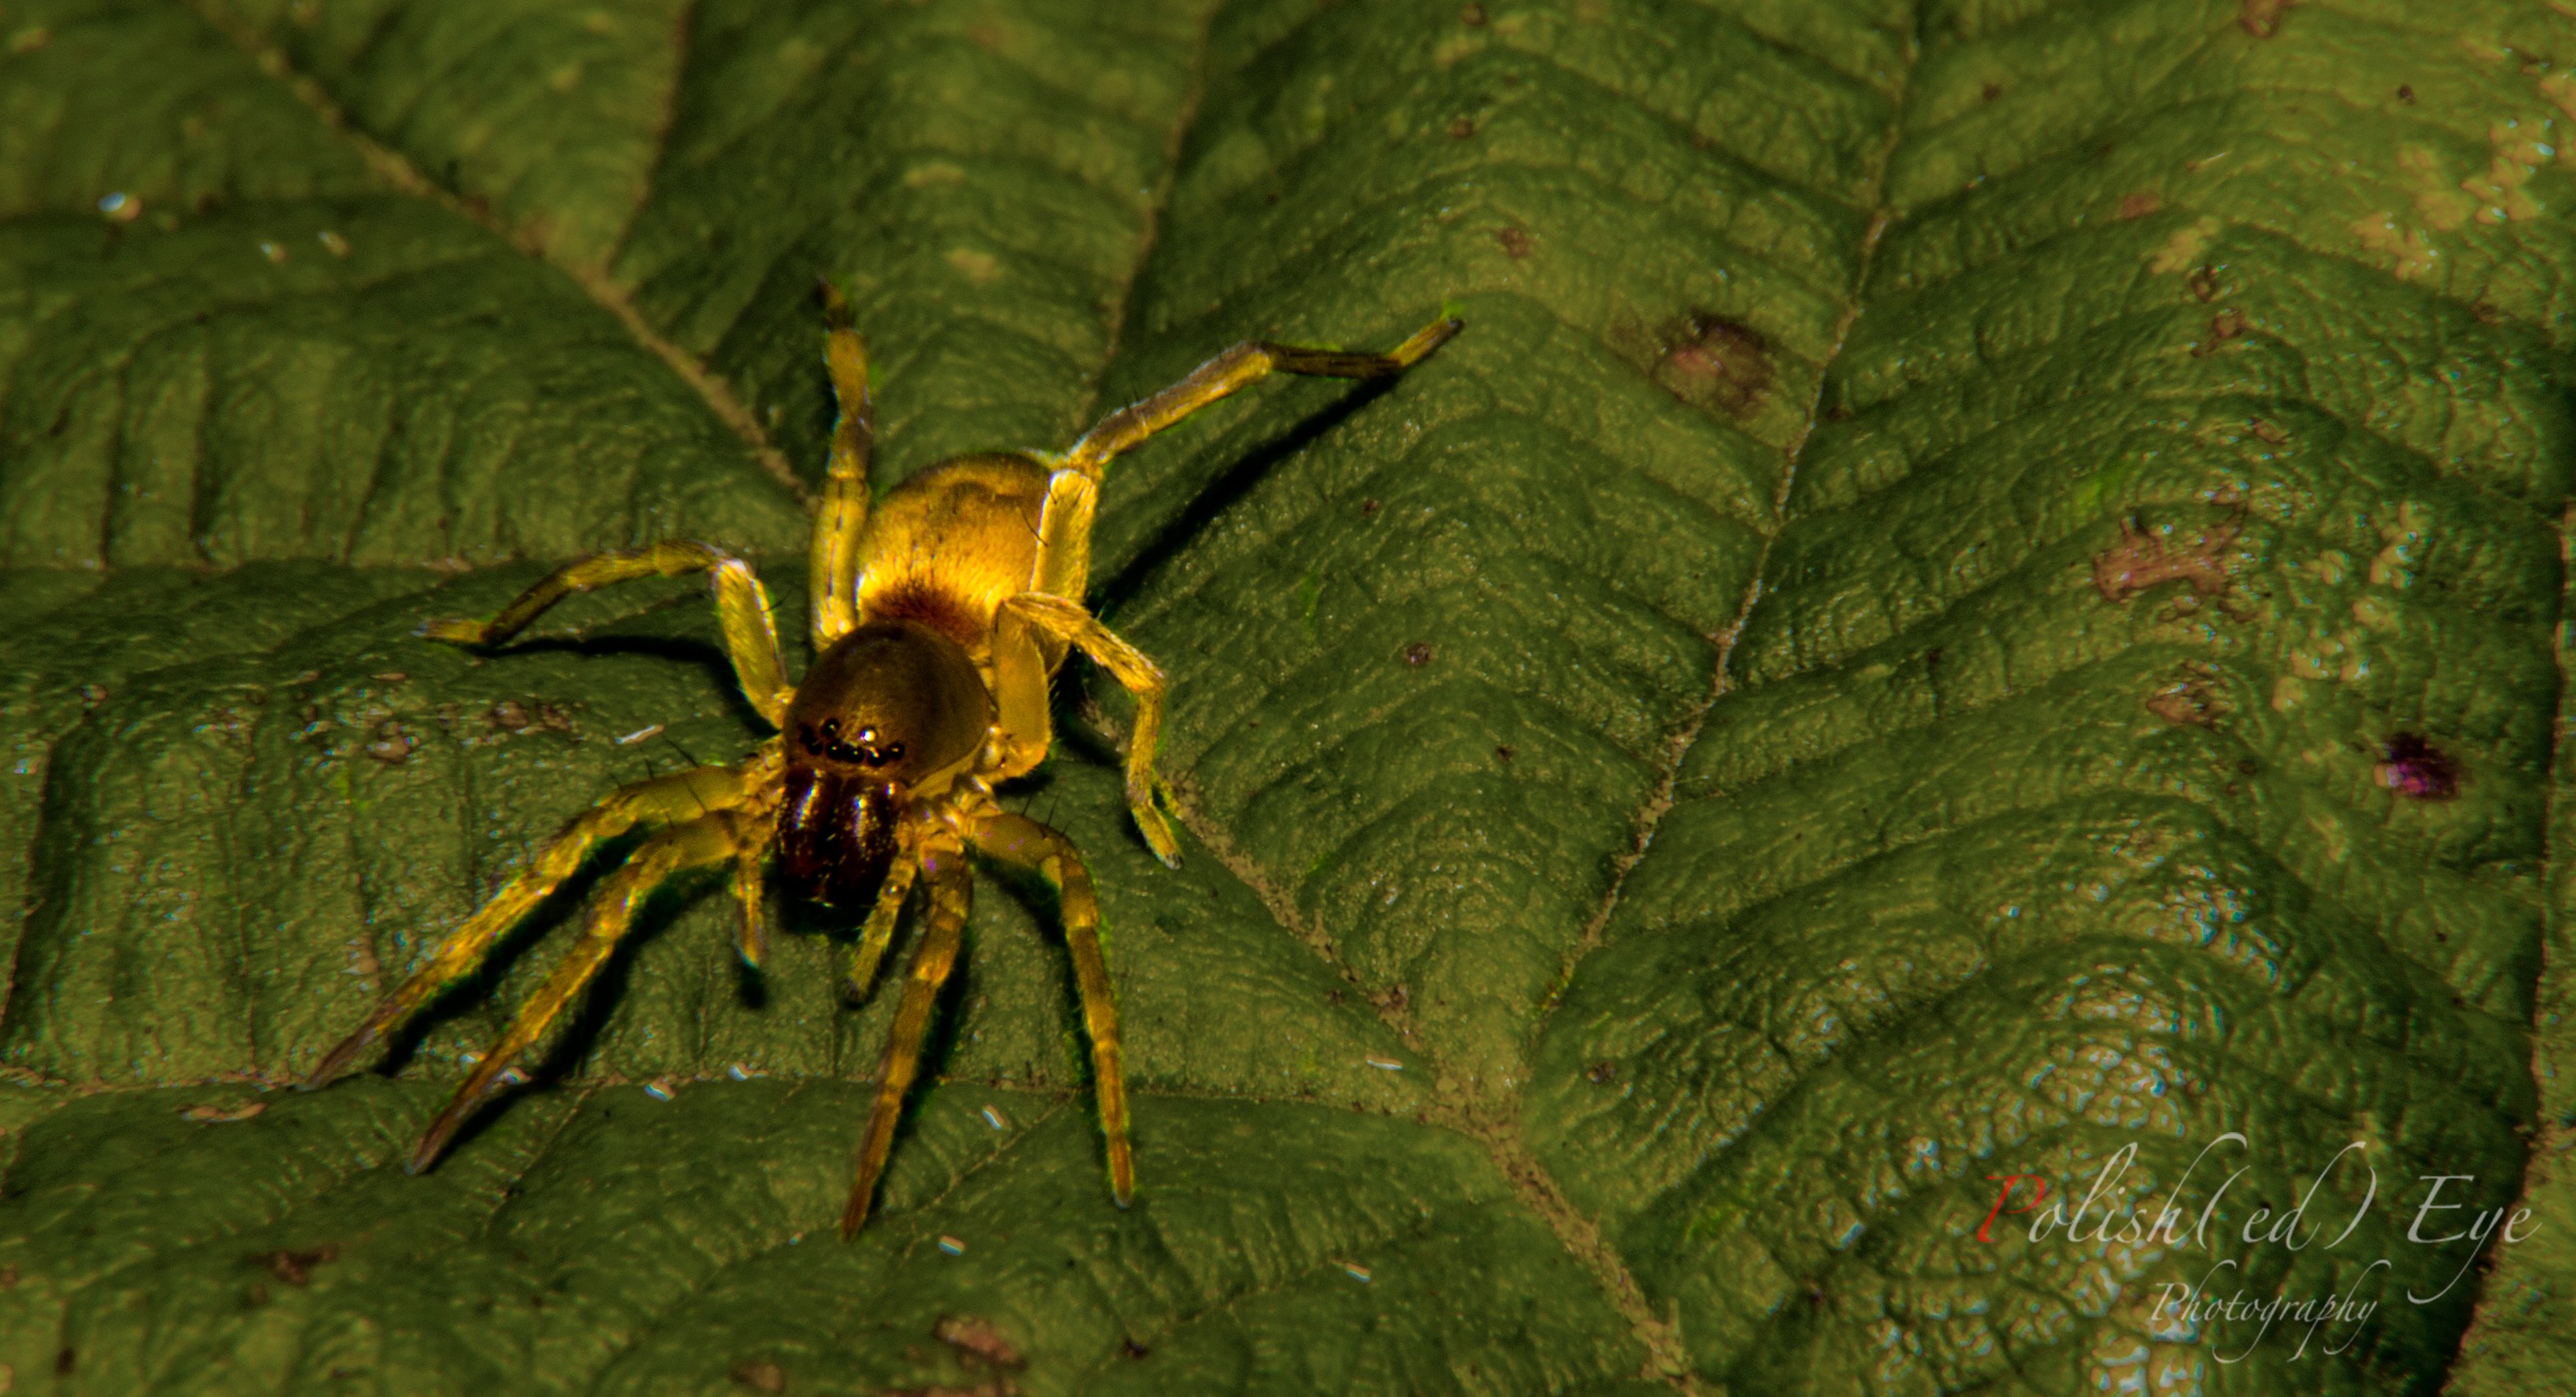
(1015, 839)
(843, 509)
(751, 893)
(879, 932)
(1068, 622)
(742, 608)
(1237, 368)
(951, 896)
(711, 839)
(664, 800)
(1023, 720)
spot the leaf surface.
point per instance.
(1980, 597)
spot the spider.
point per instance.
(940, 615)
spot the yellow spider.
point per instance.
(938, 619)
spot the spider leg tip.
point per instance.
(453, 632)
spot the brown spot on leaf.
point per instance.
(509, 715)
(2416, 769)
(1505, 753)
(2268, 430)
(296, 1267)
(2262, 18)
(2189, 702)
(2203, 283)
(1132, 1348)
(2139, 205)
(1601, 1074)
(1367, 508)
(976, 1340)
(1712, 362)
(1461, 128)
(392, 743)
(2224, 326)
(2487, 312)
(216, 1115)
(66, 1361)
(1418, 653)
(1516, 242)
(2405, 93)
(760, 1375)
(1992, 91)
(2141, 561)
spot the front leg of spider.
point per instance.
(952, 897)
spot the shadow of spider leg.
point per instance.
(678, 799)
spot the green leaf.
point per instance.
(1979, 597)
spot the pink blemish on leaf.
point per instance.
(2416, 769)
(1712, 362)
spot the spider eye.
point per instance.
(861, 748)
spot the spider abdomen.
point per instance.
(951, 544)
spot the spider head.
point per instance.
(892, 712)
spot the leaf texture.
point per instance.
(1980, 597)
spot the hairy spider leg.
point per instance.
(1024, 661)
(1063, 566)
(1068, 623)
(843, 510)
(1023, 842)
(742, 609)
(952, 896)
(711, 839)
(879, 931)
(1238, 368)
(664, 800)
(751, 893)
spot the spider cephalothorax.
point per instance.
(893, 713)
(940, 612)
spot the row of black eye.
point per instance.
(864, 753)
